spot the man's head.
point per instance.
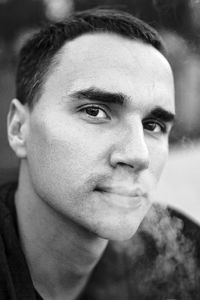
(92, 127)
(40, 53)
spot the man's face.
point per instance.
(98, 136)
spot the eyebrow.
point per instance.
(120, 98)
(100, 95)
(162, 114)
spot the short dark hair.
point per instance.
(38, 53)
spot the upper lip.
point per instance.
(137, 192)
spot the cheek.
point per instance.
(55, 151)
(57, 165)
(158, 158)
(64, 155)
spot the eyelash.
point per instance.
(162, 125)
(97, 107)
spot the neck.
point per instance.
(60, 254)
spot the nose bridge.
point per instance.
(131, 148)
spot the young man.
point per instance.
(90, 125)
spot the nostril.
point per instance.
(131, 151)
(132, 163)
(125, 165)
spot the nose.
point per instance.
(130, 149)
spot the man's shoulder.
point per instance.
(7, 211)
(7, 192)
(161, 261)
(8, 230)
(15, 281)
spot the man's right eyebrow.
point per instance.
(96, 94)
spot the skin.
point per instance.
(88, 167)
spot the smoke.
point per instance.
(175, 251)
(163, 260)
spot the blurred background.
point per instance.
(178, 21)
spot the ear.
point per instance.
(17, 125)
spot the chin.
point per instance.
(119, 226)
(118, 231)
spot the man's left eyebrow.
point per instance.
(162, 114)
(100, 95)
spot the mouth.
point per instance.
(124, 198)
(121, 191)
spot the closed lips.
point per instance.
(122, 192)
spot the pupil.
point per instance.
(152, 126)
(92, 111)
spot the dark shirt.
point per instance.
(160, 262)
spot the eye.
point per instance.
(95, 112)
(155, 126)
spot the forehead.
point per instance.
(113, 63)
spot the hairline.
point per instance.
(55, 60)
(54, 36)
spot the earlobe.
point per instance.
(17, 122)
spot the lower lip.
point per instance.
(122, 201)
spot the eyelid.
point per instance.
(102, 107)
(162, 124)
